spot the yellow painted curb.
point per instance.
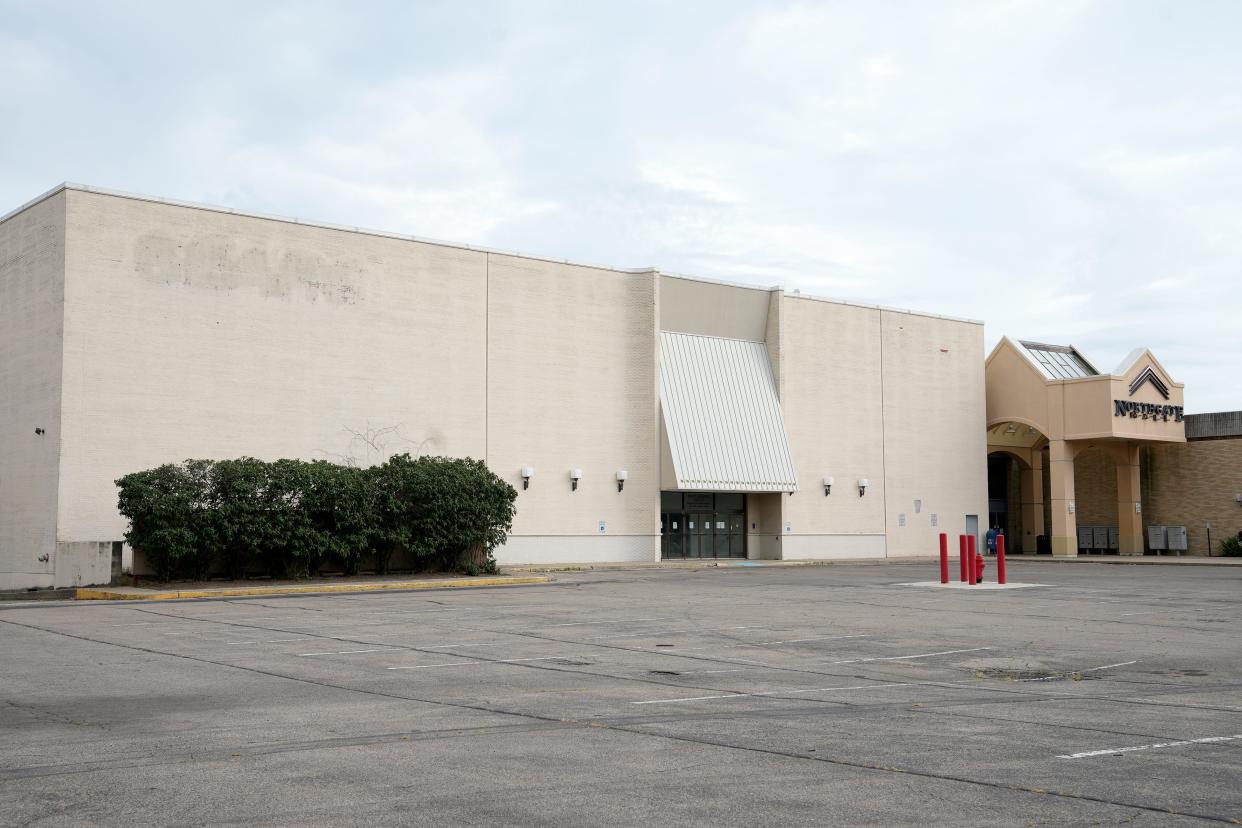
(109, 594)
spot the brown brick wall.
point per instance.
(1190, 484)
(1095, 488)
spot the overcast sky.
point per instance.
(1065, 171)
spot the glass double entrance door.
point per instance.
(702, 525)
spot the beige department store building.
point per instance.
(641, 415)
(136, 331)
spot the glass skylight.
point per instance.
(1059, 361)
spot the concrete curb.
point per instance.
(139, 594)
(48, 594)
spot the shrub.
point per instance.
(446, 512)
(169, 517)
(1231, 547)
(290, 516)
(339, 502)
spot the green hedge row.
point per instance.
(295, 517)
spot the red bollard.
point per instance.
(961, 542)
(944, 558)
(970, 560)
(1000, 559)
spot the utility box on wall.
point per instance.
(1177, 539)
(1157, 538)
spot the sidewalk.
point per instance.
(1134, 560)
(172, 592)
(713, 563)
(728, 563)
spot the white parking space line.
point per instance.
(1111, 751)
(800, 640)
(1075, 672)
(622, 621)
(908, 657)
(407, 611)
(782, 692)
(353, 652)
(497, 661)
(653, 633)
(167, 619)
(705, 672)
(146, 623)
(273, 640)
(646, 634)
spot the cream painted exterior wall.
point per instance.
(892, 397)
(191, 331)
(695, 306)
(572, 384)
(198, 333)
(832, 399)
(935, 442)
(32, 251)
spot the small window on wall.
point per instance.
(670, 502)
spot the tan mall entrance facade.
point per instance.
(1047, 405)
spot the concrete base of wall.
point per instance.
(25, 580)
(84, 563)
(565, 549)
(832, 547)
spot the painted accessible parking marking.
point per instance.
(1207, 740)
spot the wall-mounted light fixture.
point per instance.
(827, 486)
(622, 476)
(863, 483)
(1238, 498)
(39, 432)
(574, 476)
(527, 474)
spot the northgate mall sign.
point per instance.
(1148, 411)
(1125, 408)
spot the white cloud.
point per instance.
(1065, 171)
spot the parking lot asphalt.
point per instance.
(731, 696)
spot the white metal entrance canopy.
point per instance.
(723, 416)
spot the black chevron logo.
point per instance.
(1148, 375)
